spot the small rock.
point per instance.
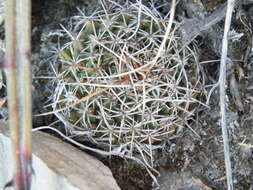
(57, 165)
(170, 180)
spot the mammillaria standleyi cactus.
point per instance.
(110, 92)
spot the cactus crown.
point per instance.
(107, 91)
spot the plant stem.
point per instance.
(17, 67)
(24, 82)
(222, 83)
(10, 69)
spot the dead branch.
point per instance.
(222, 85)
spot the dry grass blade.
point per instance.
(165, 38)
(222, 84)
(83, 99)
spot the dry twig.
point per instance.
(10, 69)
(24, 83)
(19, 80)
(222, 84)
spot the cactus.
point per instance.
(106, 91)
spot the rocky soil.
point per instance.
(197, 162)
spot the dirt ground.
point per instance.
(201, 157)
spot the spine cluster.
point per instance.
(107, 90)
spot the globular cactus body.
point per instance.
(127, 103)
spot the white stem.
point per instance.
(222, 84)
